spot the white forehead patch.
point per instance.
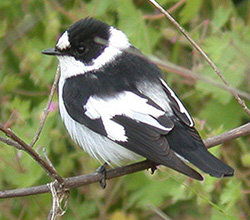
(63, 41)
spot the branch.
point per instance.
(77, 181)
(44, 164)
(46, 110)
(182, 71)
(198, 48)
(160, 16)
(228, 135)
(11, 143)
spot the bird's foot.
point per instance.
(102, 170)
(153, 167)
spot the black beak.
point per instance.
(52, 51)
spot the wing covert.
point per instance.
(177, 106)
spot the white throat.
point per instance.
(71, 67)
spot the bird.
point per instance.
(116, 105)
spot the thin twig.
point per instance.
(159, 212)
(30, 93)
(49, 169)
(198, 48)
(46, 110)
(159, 16)
(11, 143)
(78, 181)
(59, 196)
(228, 135)
(166, 65)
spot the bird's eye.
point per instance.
(81, 49)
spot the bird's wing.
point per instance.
(178, 108)
(133, 121)
(146, 120)
(186, 141)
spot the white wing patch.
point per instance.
(181, 106)
(127, 104)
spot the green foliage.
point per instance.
(190, 10)
(221, 28)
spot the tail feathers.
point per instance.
(186, 142)
(209, 163)
(177, 164)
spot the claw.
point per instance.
(153, 167)
(102, 170)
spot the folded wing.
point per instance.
(134, 122)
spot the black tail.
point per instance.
(186, 142)
(175, 163)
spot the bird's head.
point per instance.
(88, 45)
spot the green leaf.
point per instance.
(24, 172)
(218, 215)
(221, 16)
(231, 193)
(190, 10)
(217, 115)
(10, 83)
(100, 8)
(246, 159)
(133, 24)
(231, 62)
(22, 107)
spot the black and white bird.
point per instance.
(116, 105)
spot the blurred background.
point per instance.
(221, 27)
